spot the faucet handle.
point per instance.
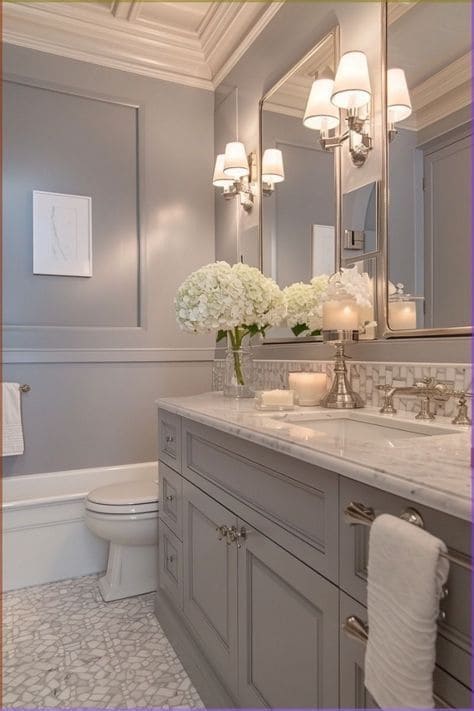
(461, 418)
(387, 405)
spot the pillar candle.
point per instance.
(402, 315)
(308, 387)
(340, 315)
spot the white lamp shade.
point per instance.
(398, 96)
(220, 180)
(236, 163)
(320, 114)
(352, 83)
(272, 166)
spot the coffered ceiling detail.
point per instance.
(192, 43)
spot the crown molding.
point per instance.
(396, 10)
(247, 36)
(116, 36)
(441, 94)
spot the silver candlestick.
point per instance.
(341, 396)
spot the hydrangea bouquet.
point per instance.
(236, 301)
(304, 305)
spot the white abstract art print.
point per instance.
(62, 234)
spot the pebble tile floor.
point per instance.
(63, 647)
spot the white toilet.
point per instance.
(126, 515)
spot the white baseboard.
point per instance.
(44, 535)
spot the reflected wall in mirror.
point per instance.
(298, 212)
(429, 165)
(359, 222)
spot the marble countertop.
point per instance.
(433, 471)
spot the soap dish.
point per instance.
(267, 400)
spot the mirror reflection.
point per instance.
(298, 201)
(359, 221)
(429, 115)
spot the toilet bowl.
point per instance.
(126, 515)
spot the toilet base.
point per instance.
(131, 570)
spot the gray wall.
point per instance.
(98, 352)
(296, 28)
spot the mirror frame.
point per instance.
(334, 33)
(382, 286)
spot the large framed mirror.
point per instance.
(429, 136)
(299, 209)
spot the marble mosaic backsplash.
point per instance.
(365, 376)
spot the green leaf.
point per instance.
(299, 329)
(316, 333)
(221, 335)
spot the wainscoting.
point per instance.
(44, 535)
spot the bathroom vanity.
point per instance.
(262, 567)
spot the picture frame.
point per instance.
(62, 234)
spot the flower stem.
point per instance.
(236, 338)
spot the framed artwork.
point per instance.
(62, 234)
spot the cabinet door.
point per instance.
(288, 630)
(210, 582)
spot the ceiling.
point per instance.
(192, 43)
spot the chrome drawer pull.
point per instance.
(358, 514)
(355, 629)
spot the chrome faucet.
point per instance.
(427, 390)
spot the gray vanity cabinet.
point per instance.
(288, 630)
(258, 570)
(210, 581)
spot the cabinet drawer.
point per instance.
(448, 691)
(170, 565)
(171, 499)
(454, 532)
(169, 439)
(293, 503)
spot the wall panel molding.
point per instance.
(39, 331)
(107, 355)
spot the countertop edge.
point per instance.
(442, 501)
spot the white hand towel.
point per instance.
(406, 575)
(11, 424)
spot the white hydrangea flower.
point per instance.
(304, 304)
(358, 286)
(222, 297)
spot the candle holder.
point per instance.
(341, 396)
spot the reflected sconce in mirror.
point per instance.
(272, 170)
(236, 173)
(398, 100)
(350, 93)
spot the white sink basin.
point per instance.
(344, 427)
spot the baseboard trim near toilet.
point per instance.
(45, 538)
(207, 684)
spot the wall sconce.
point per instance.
(272, 170)
(236, 173)
(350, 92)
(398, 100)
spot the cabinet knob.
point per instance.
(169, 439)
(169, 498)
(170, 559)
(222, 532)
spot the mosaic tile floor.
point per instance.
(63, 647)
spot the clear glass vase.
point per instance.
(239, 371)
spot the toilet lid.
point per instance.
(131, 496)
